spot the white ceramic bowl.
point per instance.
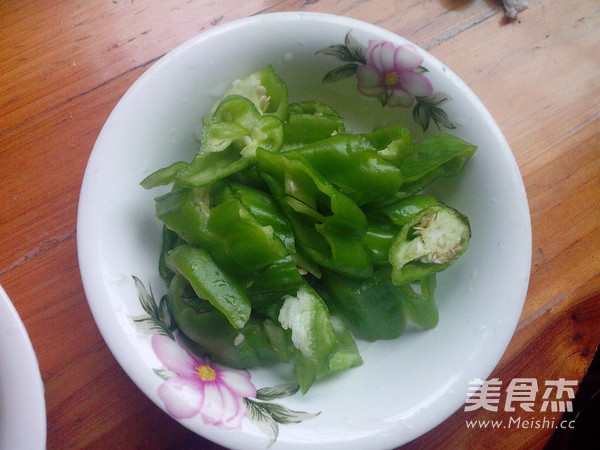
(406, 386)
(22, 403)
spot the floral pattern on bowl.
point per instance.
(196, 386)
(392, 74)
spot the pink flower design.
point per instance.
(391, 74)
(201, 387)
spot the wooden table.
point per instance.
(65, 64)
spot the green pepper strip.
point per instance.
(421, 308)
(281, 277)
(229, 142)
(309, 122)
(183, 211)
(274, 282)
(379, 239)
(393, 143)
(403, 210)
(313, 108)
(248, 245)
(163, 176)
(376, 308)
(265, 211)
(354, 166)
(329, 227)
(267, 91)
(170, 240)
(372, 307)
(208, 327)
(313, 336)
(347, 355)
(441, 155)
(211, 283)
(208, 331)
(240, 227)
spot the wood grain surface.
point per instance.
(65, 64)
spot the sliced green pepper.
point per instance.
(393, 143)
(247, 244)
(441, 155)
(377, 309)
(372, 308)
(379, 239)
(313, 335)
(266, 90)
(265, 211)
(313, 108)
(249, 177)
(163, 176)
(280, 340)
(329, 227)
(310, 122)
(257, 342)
(430, 242)
(274, 282)
(206, 326)
(170, 240)
(354, 167)
(403, 210)
(229, 142)
(347, 354)
(241, 228)
(211, 283)
(420, 307)
(183, 211)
